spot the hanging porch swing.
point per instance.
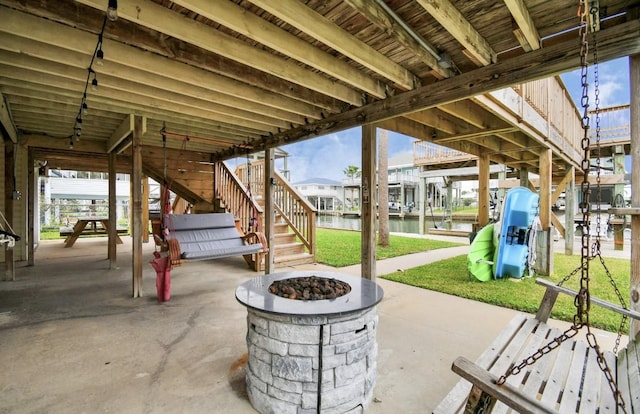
(533, 368)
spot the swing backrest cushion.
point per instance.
(208, 236)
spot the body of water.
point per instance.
(406, 225)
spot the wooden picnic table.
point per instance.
(80, 228)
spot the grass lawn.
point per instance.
(341, 248)
(451, 276)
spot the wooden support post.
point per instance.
(634, 69)
(136, 191)
(368, 205)
(9, 162)
(449, 207)
(618, 189)
(32, 185)
(145, 209)
(113, 221)
(524, 177)
(269, 209)
(422, 192)
(544, 241)
(545, 184)
(483, 190)
(569, 212)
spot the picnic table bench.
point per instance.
(88, 226)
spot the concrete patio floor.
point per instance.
(74, 341)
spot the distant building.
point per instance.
(322, 193)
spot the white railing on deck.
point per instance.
(615, 123)
(425, 153)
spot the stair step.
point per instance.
(294, 259)
(289, 248)
(284, 239)
(281, 228)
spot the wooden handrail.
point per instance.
(294, 208)
(299, 214)
(237, 198)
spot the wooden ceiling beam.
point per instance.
(33, 94)
(159, 18)
(88, 19)
(382, 18)
(317, 26)
(7, 123)
(475, 115)
(237, 19)
(152, 86)
(523, 19)
(141, 65)
(474, 134)
(70, 78)
(123, 132)
(461, 29)
(614, 42)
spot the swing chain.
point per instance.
(582, 300)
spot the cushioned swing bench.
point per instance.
(212, 236)
(566, 380)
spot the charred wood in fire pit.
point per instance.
(309, 288)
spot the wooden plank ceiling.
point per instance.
(238, 76)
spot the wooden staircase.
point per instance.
(213, 187)
(294, 228)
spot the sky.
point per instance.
(328, 156)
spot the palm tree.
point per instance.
(352, 171)
(383, 188)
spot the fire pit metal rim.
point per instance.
(254, 294)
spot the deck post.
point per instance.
(449, 206)
(32, 185)
(136, 195)
(10, 156)
(422, 194)
(368, 204)
(544, 251)
(145, 209)
(113, 220)
(634, 115)
(524, 177)
(569, 212)
(269, 156)
(483, 190)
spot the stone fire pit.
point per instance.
(311, 356)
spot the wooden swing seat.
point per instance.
(212, 236)
(566, 380)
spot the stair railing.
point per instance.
(237, 198)
(296, 211)
(293, 207)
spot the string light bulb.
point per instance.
(112, 10)
(85, 108)
(94, 84)
(100, 57)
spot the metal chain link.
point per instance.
(582, 300)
